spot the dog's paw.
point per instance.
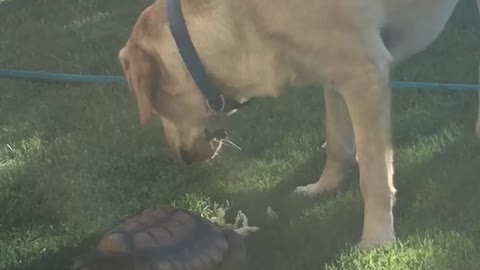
(372, 244)
(376, 235)
(378, 226)
(245, 231)
(310, 190)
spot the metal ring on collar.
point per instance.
(221, 108)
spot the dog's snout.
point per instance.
(186, 157)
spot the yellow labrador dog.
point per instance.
(257, 48)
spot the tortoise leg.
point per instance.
(236, 258)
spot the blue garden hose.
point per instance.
(58, 77)
(441, 86)
(77, 78)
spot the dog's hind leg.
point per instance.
(340, 146)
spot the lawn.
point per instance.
(74, 162)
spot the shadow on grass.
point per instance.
(441, 192)
(299, 239)
(311, 233)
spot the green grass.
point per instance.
(74, 162)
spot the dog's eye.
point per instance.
(218, 134)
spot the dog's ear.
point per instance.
(142, 75)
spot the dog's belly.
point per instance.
(412, 25)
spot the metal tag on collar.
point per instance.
(212, 107)
(228, 106)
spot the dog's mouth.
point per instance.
(208, 148)
(219, 138)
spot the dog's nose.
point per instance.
(186, 157)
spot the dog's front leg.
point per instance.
(340, 146)
(367, 94)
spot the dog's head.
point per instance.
(162, 85)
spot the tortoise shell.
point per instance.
(167, 238)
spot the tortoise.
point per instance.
(169, 238)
